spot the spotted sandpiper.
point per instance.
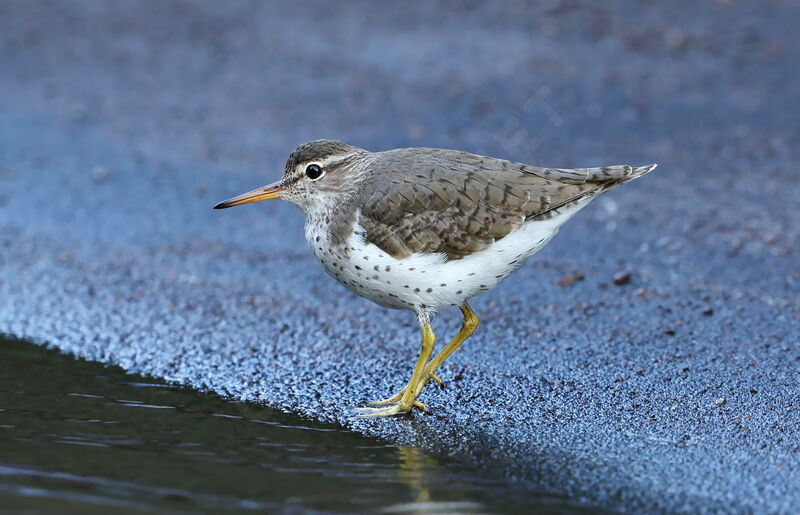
(425, 228)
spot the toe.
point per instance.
(395, 409)
(389, 411)
(391, 400)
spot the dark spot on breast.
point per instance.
(405, 286)
(358, 267)
(459, 292)
(388, 268)
(412, 268)
(416, 290)
(443, 284)
(376, 268)
(429, 290)
(375, 277)
(316, 239)
(366, 258)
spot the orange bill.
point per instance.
(267, 192)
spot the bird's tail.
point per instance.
(638, 171)
(617, 174)
(607, 176)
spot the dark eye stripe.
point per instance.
(298, 174)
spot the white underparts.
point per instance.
(426, 282)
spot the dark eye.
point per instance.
(313, 172)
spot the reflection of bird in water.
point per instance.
(422, 474)
(412, 471)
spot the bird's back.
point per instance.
(456, 203)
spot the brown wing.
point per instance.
(456, 203)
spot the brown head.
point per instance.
(317, 173)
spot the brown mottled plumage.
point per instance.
(458, 203)
(424, 228)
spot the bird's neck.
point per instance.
(330, 223)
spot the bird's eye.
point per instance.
(313, 172)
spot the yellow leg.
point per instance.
(467, 328)
(408, 399)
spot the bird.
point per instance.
(424, 229)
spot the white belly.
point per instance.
(426, 282)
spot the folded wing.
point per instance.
(456, 203)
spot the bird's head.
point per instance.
(318, 174)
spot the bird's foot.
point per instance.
(426, 376)
(401, 402)
(399, 408)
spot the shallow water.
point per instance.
(81, 437)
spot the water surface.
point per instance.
(77, 436)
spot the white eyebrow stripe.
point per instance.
(332, 159)
(301, 167)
